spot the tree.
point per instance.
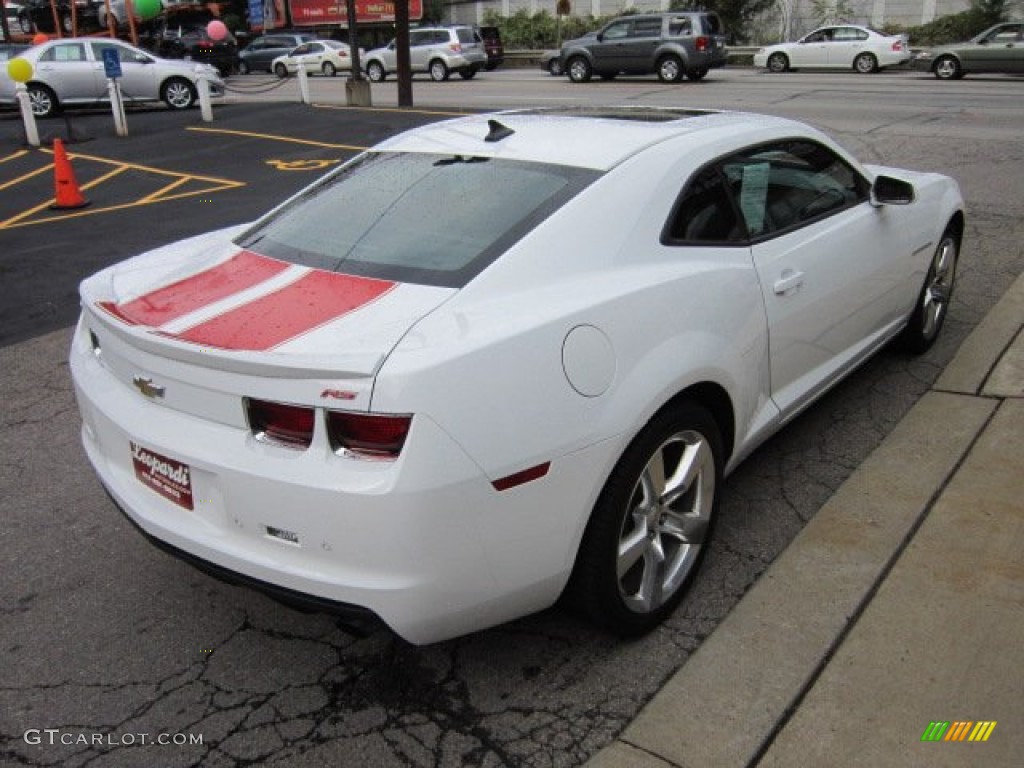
(736, 15)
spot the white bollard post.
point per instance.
(27, 115)
(303, 83)
(117, 106)
(205, 106)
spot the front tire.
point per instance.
(948, 68)
(467, 74)
(696, 74)
(375, 71)
(579, 69)
(933, 302)
(647, 533)
(778, 63)
(178, 93)
(865, 64)
(281, 71)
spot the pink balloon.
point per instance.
(216, 30)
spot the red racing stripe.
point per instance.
(314, 299)
(243, 270)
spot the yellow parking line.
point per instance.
(15, 156)
(274, 137)
(24, 177)
(42, 206)
(160, 196)
(157, 195)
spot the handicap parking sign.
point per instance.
(111, 63)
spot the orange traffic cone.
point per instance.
(68, 195)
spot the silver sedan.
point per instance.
(70, 71)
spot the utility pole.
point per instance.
(402, 53)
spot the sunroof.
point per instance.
(638, 114)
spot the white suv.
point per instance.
(438, 51)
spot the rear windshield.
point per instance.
(466, 36)
(416, 218)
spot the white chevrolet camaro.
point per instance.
(501, 358)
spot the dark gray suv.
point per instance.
(689, 43)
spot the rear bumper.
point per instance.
(424, 542)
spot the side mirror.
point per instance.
(600, 37)
(887, 190)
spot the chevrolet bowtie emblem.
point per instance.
(146, 386)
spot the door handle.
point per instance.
(788, 281)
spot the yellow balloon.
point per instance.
(19, 70)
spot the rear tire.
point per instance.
(43, 101)
(646, 536)
(865, 64)
(243, 67)
(555, 68)
(329, 69)
(670, 69)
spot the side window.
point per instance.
(647, 28)
(65, 52)
(785, 185)
(705, 213)
(679, 27)
(618, 30)
(419, 37)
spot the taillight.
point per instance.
(898, 45)
(456, 47)
(288, 425)
(372, 435)
(703, 43)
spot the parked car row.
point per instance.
(676, 44)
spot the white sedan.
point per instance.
(327, 57)
(844, 46)
(501, 358)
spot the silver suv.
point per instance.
(438, 51)
(687, 43)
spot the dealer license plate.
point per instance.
(170, 478)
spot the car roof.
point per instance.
(598, 138)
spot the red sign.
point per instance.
(308, 13)
(164, 475)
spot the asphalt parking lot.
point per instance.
(110, 644)
(173, 176)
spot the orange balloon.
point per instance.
(39, 38)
